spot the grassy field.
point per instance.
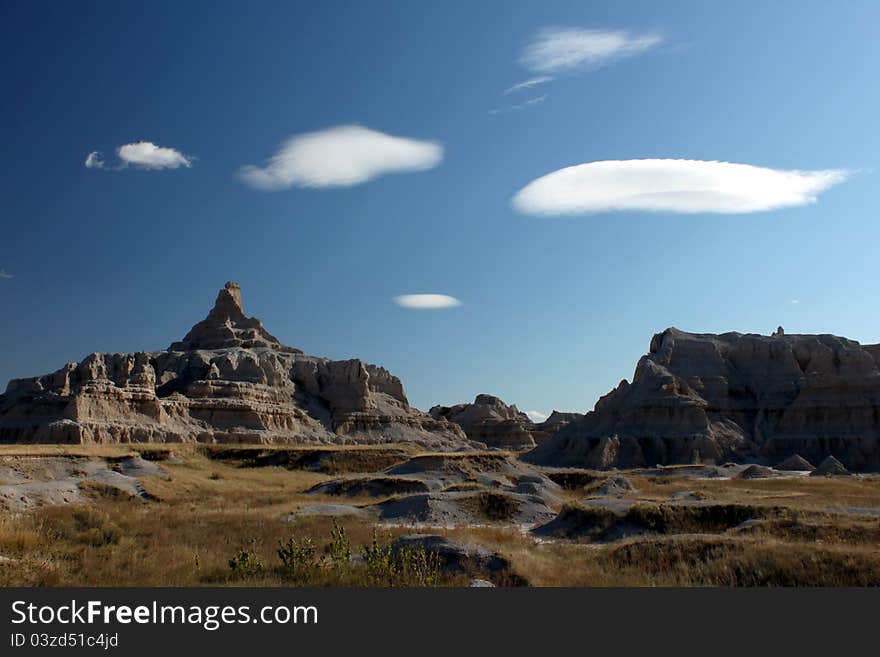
(220, 506)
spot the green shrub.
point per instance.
(402, 567)
(419, 567)
(298, 557)
(379, 561)
(340, 547)
(246, 563)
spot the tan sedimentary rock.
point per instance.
(739, 397)
(489, 420)
(228, 380)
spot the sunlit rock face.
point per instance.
(228, 380)
(489, 420)
(705, 397)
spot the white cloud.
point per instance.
(94, 160)
(528, 84)
(536, 416)
(147, 155)
(521, 106)
(530, 102)
(556, 50)
(3, 274)
(686, 186)
(341, 157)
(795, 301)
(426, 301)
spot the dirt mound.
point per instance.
(467, 465)
(449, 509)
(608, 524)
(758, 472)
(796, 463)
(30, 482)
(574, 479)
(690, 471)
(324, 460)
(615, 485)
(476, 471)
(369, 486)
(330, 510)
(466, 558)
(594, 523)
(438, 509)
(137, 466)
(830, 467)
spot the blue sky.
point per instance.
(558, 297)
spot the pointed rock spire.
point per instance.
(227, 327)
(228, 304)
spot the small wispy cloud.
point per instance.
(536, 416)
(146, 155)
(795, 301)
(3, 274)
(533, 101)
(555, 51)
(683, 186)
(94, 160)
(343, 156)
(521, 106)
(426, 301)
(528, 84)
(142, 155)
(565, 49)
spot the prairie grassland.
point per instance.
(217, 505)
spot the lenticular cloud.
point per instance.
(426, 301)
(343, 156)
(685, 186)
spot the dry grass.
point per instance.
(212, 507)
(726, 561)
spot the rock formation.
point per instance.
(228, 380)
(733, 397)
(489, 420)
(830, 467)
(796, 463)
(556, 421)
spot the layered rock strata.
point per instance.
(733, 397)
(489, 420)
(228, 380)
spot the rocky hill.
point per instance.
(489, 420)
(228, 380)
(733, 397)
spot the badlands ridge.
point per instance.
(694, 398)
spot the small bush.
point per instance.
(380, 560)
(246, 563)
(402, 567)
(298, 557)
(419, 567)
(340, 547)
(84, 525)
